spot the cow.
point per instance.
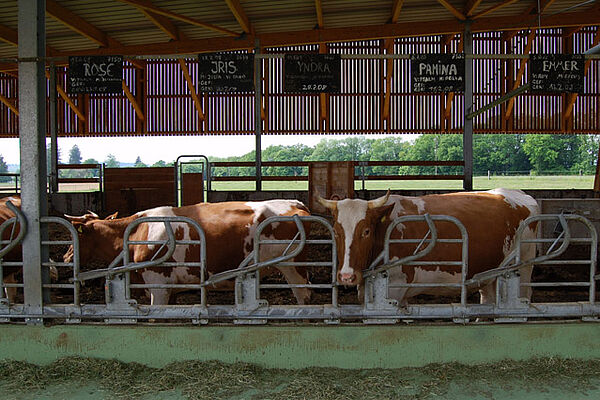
(15, 254)
(229, 228)
(490, 218)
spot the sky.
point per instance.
(167, 148)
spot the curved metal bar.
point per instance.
(386, 247)
(505, 267)
(20, 218)
(244, 268)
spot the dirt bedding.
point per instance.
(71, 377)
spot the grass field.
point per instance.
(479, 183)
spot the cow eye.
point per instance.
(366, 232)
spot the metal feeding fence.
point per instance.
(379, 305)
(376, 94)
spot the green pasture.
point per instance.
(479, 183)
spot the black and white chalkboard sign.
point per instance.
(95, 74)
(557, 73)
(227, 73)
(312, 73)
(436, 73)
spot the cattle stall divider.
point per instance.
(5, 247)
(379, 306)
(377, 285)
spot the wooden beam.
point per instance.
(493, 8)
(134, 103)
(573, 96)
(192, 88)
(471, 6)
(77, 24)
(371, 32)
(319, 12)
(164, 24)
(192, 21)
(323, 97)
(240, 15)
(8, 35)
(396, 8)
(545, 5)
(10, 104)
(447, 39)
(389, 47)
(450, 98)
(453, 10)
(520, 72)
(68, 100)
(568, 32)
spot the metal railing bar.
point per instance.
(555, 284)
(296, 285)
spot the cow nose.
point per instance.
(346, 279)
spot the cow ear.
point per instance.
(112, 216)
(80, 227)
(383, 213)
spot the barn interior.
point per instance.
(162, 42)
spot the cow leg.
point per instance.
(487, 294)
(159, 296)
(292, 276)
(11, 293)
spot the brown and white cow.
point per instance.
(229, 228)
(15, 254)
(491, 219)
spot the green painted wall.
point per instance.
(345, 346)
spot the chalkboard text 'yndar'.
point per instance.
(313, 67)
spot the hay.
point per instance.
(210, 380)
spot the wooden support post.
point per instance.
(192, 89)
(520, 72)
(140, 94)
(389, 73)
(68, 100)
(323, 100)
(8, 103)
(133, 101)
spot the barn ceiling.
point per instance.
(154, 27)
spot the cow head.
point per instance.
(356, 225)
(96, 238)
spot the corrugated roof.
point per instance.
(125, 23)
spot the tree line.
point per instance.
(541, 154)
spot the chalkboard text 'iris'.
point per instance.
(223, 67)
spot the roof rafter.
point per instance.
(396, 8)
(470, 7)
(240, 15)
(453, 10)
(319, 11)
(493, 8)
(9, 35)
(544, 6)
(192, 21)
(78, 24)
(162, 22)
(312, 36)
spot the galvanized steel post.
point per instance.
(468, 123)
(53, 131)
(257, 112)
(32, 125)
